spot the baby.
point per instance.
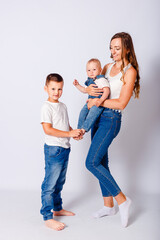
(88, 117)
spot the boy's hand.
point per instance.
(75, 83)
(75, 133)
(78, 138)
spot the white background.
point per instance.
(40, 37)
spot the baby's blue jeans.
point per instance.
(87, 117)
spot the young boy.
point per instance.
(54, 119)
(88, 117)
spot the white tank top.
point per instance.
(115, 82)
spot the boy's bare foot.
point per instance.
(83, 131)
(63, 213)
(53, 224)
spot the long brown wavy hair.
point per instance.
(127, 44)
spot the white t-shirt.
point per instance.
(102, 82)
(56, 114)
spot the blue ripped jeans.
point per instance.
(56, 161)
(103, 133)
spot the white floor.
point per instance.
(20, 219)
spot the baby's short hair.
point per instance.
(53, 77)
(95, 60)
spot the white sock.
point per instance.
(105, 211)
(124, 211)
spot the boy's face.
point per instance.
(54, 90)
(93, 69)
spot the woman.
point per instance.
(123, 76)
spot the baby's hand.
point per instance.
(75, 83)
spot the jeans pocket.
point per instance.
(54, 151)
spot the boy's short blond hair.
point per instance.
(95, 60)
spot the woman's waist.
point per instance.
(109, 112)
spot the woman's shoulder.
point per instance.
(106, 67)
(131, 71)
(130, 74)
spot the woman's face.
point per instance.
(116, 49)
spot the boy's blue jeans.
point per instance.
(56, 161)
(103, 133)
(87, 117)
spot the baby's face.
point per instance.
(93, 69)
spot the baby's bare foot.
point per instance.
(53, 224)
(63, 213)
(83, 131)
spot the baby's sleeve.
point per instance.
(102, 82)
(46, 116)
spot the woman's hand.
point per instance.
(93, 90)
(92, 102)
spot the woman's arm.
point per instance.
(106, 92)
(93, 90)
(126, 91)
(125, 95)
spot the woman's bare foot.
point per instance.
(63, 213)
(53, 224)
